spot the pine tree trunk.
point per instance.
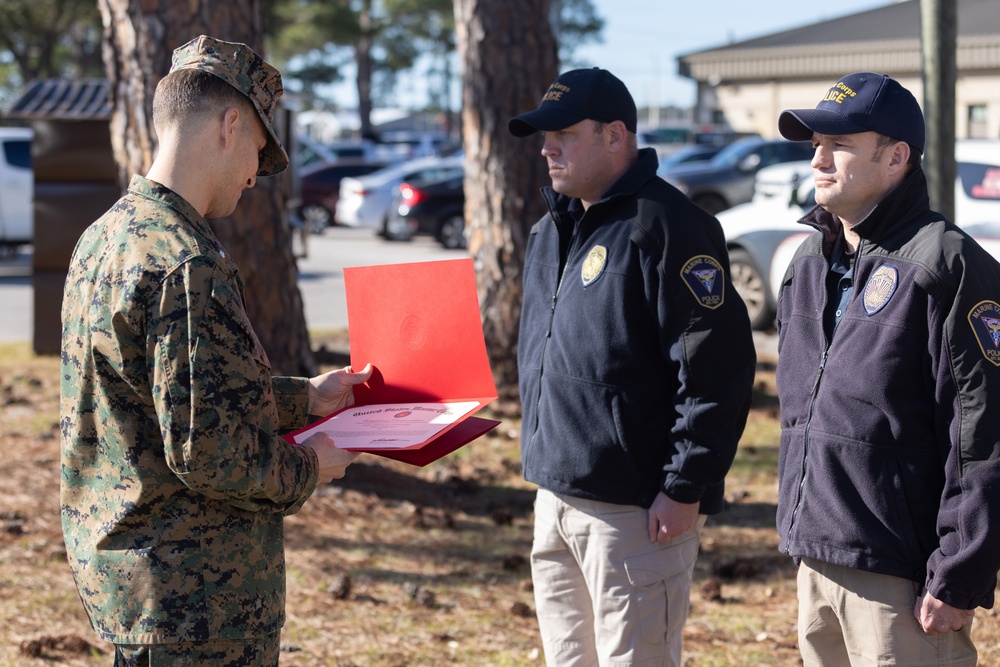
(509, 59)
(139, 39)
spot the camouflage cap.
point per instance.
(247, 72)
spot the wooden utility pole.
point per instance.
(938, 41)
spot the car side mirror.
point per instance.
(793, 200)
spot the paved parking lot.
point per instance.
(321, 279)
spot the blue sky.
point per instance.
(642, 38)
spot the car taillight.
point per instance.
(410, 194)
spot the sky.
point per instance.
(642, 38)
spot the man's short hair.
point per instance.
(191, 93)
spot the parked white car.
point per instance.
(763, 234)
(365, 200)
(16, 187)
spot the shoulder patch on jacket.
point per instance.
(880, 288)
(593, 265)
(704, 276)
(984, 318)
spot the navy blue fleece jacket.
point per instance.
(890, 447)
(636, 358)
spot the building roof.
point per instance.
(884, 39)
(63, 99)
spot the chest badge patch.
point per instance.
(880, 288)
(703, 275)
(594, 265)
(984, 318)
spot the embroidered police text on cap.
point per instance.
(239, 66)
(577, 95)
(859, 102)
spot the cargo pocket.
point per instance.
(654, 577)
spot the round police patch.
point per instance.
(984, 318)
(704, 276)
(880, 288)
(593, 265)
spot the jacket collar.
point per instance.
(900, 207)
(149, 189)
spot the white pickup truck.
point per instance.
(16, 187)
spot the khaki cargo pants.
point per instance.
(853, 617)
(605, 595)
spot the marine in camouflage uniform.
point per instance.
(174, 482)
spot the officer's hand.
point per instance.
(333, 462)
(937, 617)
(332, 391)
(669, 518)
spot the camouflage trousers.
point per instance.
(260, 652)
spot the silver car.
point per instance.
(365, 200)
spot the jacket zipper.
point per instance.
(548, 329)
(824, 357)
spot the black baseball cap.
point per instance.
(579, 94)
(859, 102)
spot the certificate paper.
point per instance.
(389, 425)
(419, 325)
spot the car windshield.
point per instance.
(733, 153)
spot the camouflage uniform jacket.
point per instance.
(174, 482)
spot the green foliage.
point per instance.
(317, 35)
(52, 38)
(311, 41)
(575, 23)
(43, 39)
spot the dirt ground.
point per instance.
(397, 566)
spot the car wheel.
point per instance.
(452, 232)
(398, 228)
(711, 204)
(317, 218)
(752, 288)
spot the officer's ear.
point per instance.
(899, 157)
(617, 135)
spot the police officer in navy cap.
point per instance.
(889, 369)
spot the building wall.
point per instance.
(982, 90)
(754, 107)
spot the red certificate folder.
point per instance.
(419, 325)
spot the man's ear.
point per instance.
(617, 135)
(230, 119)
(900, 156)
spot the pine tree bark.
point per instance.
(139, 39)
(509, 58)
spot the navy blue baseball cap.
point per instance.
(859, 102)
(576, 95)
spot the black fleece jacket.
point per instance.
(636, 358)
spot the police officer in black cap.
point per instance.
(636, 363)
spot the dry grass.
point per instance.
(398, 566)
